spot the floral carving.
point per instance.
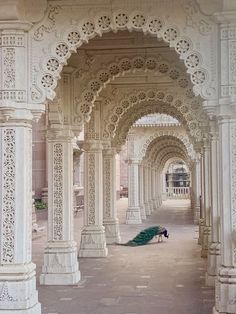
(47, 80)
(138, 20)
(192, 61)
(170, 34)
(73, 37)
(88, 28)
(198, 77)
(62, 50)
(182, 46)
(155, 26)
(8, 199)
(9, 72)
(52, 65)
(57, 192)
(50, 24)
(104, 22)
(91, 188)
(107, 186)
(121, 20)
(5, 296)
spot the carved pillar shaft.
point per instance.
(226, 279)
(133, 215)
(153, 177)
(60, 255)
(17, 272)
(196, 186)
(141, 191)
(146, 191)
(93, 240)
(207, 199)
(18, 292)
(149, 169)
(213, 260)
(110, 220)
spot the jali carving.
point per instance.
(91, 188)
(9, 68)
(107, 186)
(8, 215)
(58, 192)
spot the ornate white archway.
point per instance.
(159, 134)
(63, 30)
(143, 108)
(190, 110)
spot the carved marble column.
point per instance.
(110, 220)
(196, 178)
(133, 214)
(213, 258)
(18, 292)
(154, 188)
(60, 255)
(93, 239)
(225, 297)
(141, 191)
(207, 198)
(202, 214)
(146, 191)
(149, 182)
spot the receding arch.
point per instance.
(150, 107)
(157, 136)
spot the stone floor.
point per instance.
(159, 278)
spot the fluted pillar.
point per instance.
(141, 191)
(110, 220)
(133, 214)
(60, 254)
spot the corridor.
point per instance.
(159, 278)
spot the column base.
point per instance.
(210, 280)
(60, 264)
(112, 231)
(18, 293)
(205, 241)
(201, 226)
(147, 209)
(34, 310)
(151, 206)
(213, 263)
(154, 207)
(226, 291)
(143, 212)
(93, 242)
(196, 215)
(133, 216)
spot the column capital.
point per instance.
(59, 132)
(11, 111)
(92, 145)
(133, 161)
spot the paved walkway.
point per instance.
(159, 278)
